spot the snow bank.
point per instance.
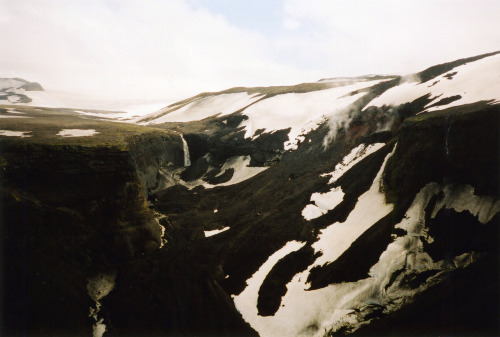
(13, 116)
(347, 305)
(6, 83)
(246, 302)
(123, 110)
(309, 312)
(98, 287)
(355, 156)
(370, 208)
(215, 231)
(77, 133)
(475, 81)
(462, 198)
(9, 133)
(302, 112)
(242, 171)
(323, 202)
(204, 107)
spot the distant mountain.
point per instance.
(13, 90)
(363, 206)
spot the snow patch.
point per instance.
(215, 231)
(98, 287)
(475, 81)
(355, 156)
(6, 83)
(9, 133)
(301, 112)
(77, 133)
(370, 208)
(246, 301)
(242, 171)
(323, 202)
(14, 116)
(306, 312)
(350, 305)
(204, 107)
(462, 198)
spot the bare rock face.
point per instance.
(69, 212)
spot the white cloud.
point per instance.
(173, 49)
(133, 48)
(365, 36)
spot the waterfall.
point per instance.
(187, 159)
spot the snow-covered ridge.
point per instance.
(468, 83)
(301, 111)
(205, 107)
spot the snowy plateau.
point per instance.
(364, 206)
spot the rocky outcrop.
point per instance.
(456, 145)
(71, 212)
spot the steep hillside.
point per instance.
(365, 206)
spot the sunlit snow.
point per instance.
(204, 107)
(370, 208)
(301, 112)
(77, 133)
(462, 198)
(309, 312)
(9, 133)
(10, 83)
(355, 156)
(13, 116)
(215, 231)
(475, 81)
(246, 302)
(313, 312)
(98, 287)
(323, 202)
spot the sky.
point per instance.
(170, 50)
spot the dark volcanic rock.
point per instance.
(444, 147)
(73, 211)
(32, 86)
(274, 286)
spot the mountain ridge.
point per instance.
(309, 210)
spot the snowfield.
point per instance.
(6, 83)
(301, 112)
(204, 107)
(473, 82)
(306, 312)
(323, 202)
(309, 312)
(22, 134)
(116, 109)
(77, 133)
